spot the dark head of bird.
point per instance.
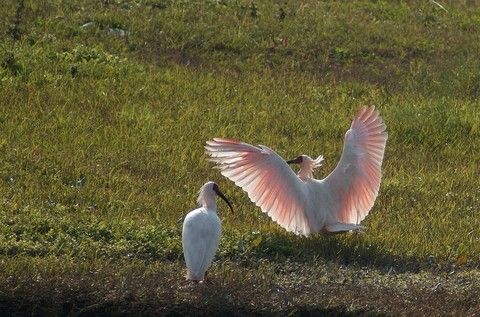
(297, 160)
(219, 193)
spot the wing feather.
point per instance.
(349, 191)
(355, 182)
(266, 177)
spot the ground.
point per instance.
(106, 105)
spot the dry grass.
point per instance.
(65, 287)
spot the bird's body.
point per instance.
(201, 233)
(200, 237)
(300, 203)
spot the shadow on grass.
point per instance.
(187, 310)
(215, 307)
(343, 250)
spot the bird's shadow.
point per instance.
(346, 250)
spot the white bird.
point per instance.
(300, 203)
(201, 232)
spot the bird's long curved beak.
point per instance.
(219, 193)
(291, 161)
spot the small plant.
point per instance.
(11, 64)
(253, 10)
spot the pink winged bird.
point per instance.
(299, 202)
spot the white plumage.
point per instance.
(201, 233)
(300, 203)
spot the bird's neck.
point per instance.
(306, 170)
(210, 205)
(207, 201)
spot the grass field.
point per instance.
(106, 105)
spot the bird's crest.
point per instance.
(308, 165)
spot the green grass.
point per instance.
(101, 152)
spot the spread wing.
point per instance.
(266, 177)
(353, 185)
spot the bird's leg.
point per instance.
(333, 233)
(205, 279)
(191, 283)
(189, 279)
